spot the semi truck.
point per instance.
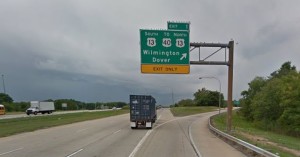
(142, 111)
(40, 107)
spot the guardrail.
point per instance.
(243, 146)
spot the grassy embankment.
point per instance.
(18, 125)
(185, 111)
(285, 146)
(13, 113)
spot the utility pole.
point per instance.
(173, 97)
(3, 84)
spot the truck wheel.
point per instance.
(43, 112)
(35, 113)
(133, 127)
(28, 114)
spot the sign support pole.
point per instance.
(230, 84)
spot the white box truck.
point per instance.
(40, 107)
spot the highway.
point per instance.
(113, 137)
(10, 116)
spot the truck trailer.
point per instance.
(40, 107)
(142, 111)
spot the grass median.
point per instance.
(283, 145)
(185, 111)
(18, 125)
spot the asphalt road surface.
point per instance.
(113, 137)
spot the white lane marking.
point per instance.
(158, 117)
(81, 130)
(140, 143)
(75, 153)
(11, 151)
(192, 141)
(116, 131)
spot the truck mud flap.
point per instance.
(133, 125)
(148, 124)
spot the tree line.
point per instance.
(202, 97)
(273, 103)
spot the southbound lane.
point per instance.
(75, 140)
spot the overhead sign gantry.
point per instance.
(168, 52)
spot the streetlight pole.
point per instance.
(3, 83)
(219, 90)
(173, 97)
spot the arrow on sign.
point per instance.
(183, 56)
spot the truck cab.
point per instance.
(32, 110)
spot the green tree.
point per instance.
(115, 104)
(5, 98)
(22, 106)
(71, 104)
(274, 103)
(186, 102)
(290, 102)
(205, 97)
(255, 86)
(285, 69)
(266, 104)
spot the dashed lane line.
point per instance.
(11, 151)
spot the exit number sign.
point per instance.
(178, 26)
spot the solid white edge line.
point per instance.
(192, 141)
(11, 151)
(75, 153)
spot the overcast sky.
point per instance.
(89, 50)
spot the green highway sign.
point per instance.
(164, 47)
(169, 48)
(178, 26)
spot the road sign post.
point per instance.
(165, 51)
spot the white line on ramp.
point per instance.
(75, 153)
(140, 143)
(11, 151)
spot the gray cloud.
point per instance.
(89, 50)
